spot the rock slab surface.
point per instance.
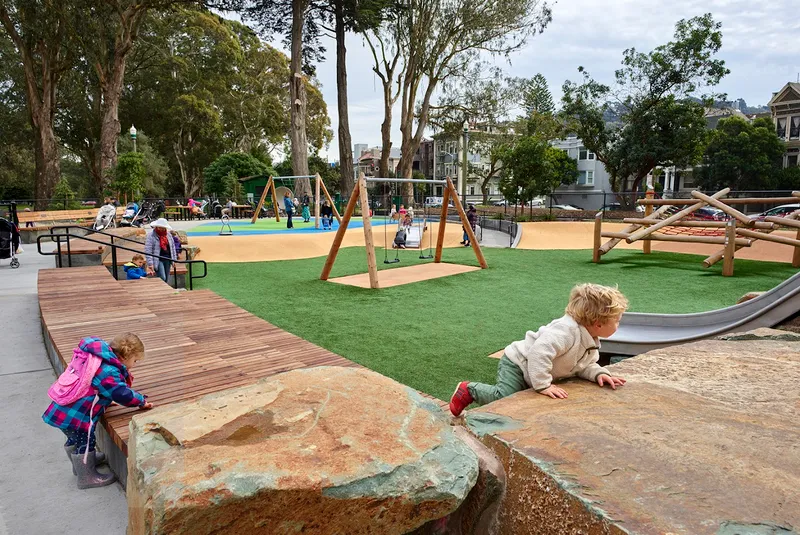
(323, 450)
(704, 439)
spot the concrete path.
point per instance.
(494, 238)
(38, 495)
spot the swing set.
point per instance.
(360, 193)
(270, 187)
(422, 224)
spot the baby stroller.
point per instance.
(132, 211)
(106, 217)
(9, 241)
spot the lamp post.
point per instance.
(133, 137)
(465, 167)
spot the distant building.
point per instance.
(423, 158)
(593, 185)
(369, 161)
(785, 108)
(447, 157)
(358, 150)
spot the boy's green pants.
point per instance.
(509, 381)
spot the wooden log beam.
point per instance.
(610, 244)
(261, 202)
(796, 254)
(337, 240)
(730, 248)
(733, 212)
(648, 211)
(372, 261)
(768, 237)
(741, 200)
(710, 240)
(437, 258)
(275, 205)
(783, 221)
(330, 200)
(598, 237)
(639, 234)
(697, 224)
(476, 247)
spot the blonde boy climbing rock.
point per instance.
(565, 347)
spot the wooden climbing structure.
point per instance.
(739, 231)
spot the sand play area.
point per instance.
(580, 234)
(287, 246)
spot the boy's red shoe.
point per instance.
(461, 399)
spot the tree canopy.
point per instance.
(654, 120)
(742, 156)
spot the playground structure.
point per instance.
(360, 194)
(739, 231)
(318, 184)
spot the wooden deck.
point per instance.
(196, 342)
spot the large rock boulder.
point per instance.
(316, 451)
(703, 439)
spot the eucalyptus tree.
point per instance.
(439, 39)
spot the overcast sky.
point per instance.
(758, 46)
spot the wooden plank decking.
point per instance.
(196, 342)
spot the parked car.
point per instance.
(566, 207)
(616, 207)
(706, 213)
(499, 202)
(436, 202)
(779, 211)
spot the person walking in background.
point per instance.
(306, 210)
(288, 205)
(472, 218)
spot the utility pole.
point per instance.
(465, 166)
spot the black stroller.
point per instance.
(9, 241)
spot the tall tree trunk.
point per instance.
(386, 133)
(41, 89)
(297, 94)
(345, 141)
(110, 128)
(111, 80)
(48, 164)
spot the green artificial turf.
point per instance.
(432, 334)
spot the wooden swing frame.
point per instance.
(270, 187)
(360, 193)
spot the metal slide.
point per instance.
(639, 333)
(413, 236)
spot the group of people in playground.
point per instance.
(290, 206)
(406, 221)
(99, 373)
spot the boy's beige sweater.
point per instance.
(560, 349)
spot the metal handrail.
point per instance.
(57, 237)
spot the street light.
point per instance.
(133, 137)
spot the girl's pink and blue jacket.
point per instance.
(112, 382)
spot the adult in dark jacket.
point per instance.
(327, 215)
(288, 205)
(472, 218)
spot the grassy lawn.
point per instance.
(432, 334)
